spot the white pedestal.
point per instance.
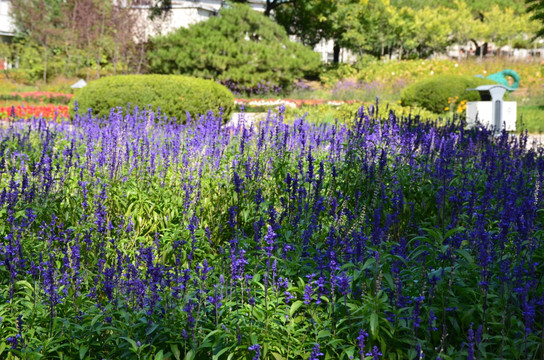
(483, 112)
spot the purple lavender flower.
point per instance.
(315, 353)
(269, 240)
(376, 353)
(432, 319)
(257, 349)
(344, 283)
(470, 340)
(308, 290)
(361, 342)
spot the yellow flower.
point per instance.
(446, 109)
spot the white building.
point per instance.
(183, 14)
(7, 29)
(325, 48)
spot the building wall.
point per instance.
(187, 12)
(7, 28)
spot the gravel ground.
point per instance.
(248, 118)
(535, 140)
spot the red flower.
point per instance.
(49, 111)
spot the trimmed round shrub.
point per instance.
(173, 94)
(436, 93)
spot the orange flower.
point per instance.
(49, 111)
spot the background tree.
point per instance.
(536, 9)
(240, 47)
(42, 22)
(309, 20)
(83, 34)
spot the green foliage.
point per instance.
(530, 118)
(174, 95)
(536, 8)
(240, 46)
(347, 113)
(74, 38)
(434, 94)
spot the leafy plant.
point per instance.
(434, 94)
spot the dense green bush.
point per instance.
(174, 95)
(240, 47)
(439, 93)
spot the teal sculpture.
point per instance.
(500, 78)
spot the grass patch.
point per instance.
(531, 118)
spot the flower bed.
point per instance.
(389, 239)
(48, 111)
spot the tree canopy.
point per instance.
(81, 34)
(536, 9)
(410, 27)
(240, 46)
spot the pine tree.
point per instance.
(240, 46)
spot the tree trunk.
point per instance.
(115, 59)
(336, 53)
(45, 65)
(268, 8)
(141, 60)
(68, 62)
(88, 75)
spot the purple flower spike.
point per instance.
(376, 353)
(361, 342)
(257, 349)
(315, 353)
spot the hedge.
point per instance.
(173, 94)
(434, 93)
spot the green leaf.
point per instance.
(323, 333)
(175, 351)
(465, 255)
(25, 284)
(153, 328)
(374, 323)
(190, 355)
(350, 352)
(2, 347)
(219, 353)
(294, 307)
(159, 356)
(95, 319)
(82, 351)
(132, 343)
